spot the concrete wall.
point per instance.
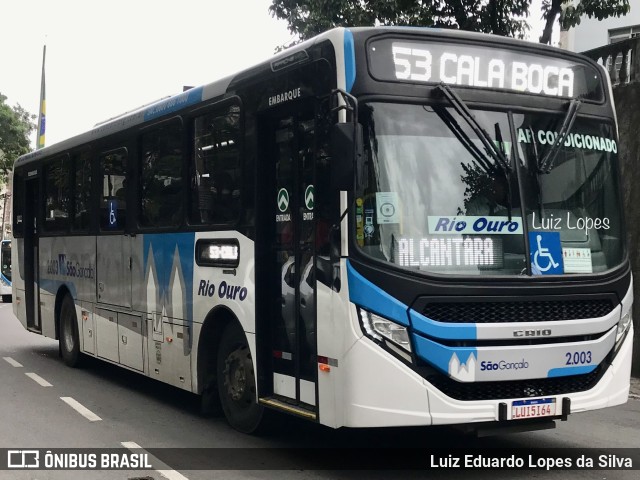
(627, 99)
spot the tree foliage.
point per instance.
(307, 18)
(568, 13)
(15, 126)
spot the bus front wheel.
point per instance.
(237, 383)
(69, 341)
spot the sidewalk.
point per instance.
(635, 388)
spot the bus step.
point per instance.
(295, 409)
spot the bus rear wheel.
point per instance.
(237, 382)
(69, 339)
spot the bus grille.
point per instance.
(542, 387)
(527, 311)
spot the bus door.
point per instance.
(31, 254)
(289, 171)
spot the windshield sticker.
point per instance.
(577, 260)
(475, 225)
(574, 140)
(449, 252)
(545, 251)
(360, 221)
(369, 229)
(552, 222)
(387, 206)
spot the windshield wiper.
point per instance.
(539, 186)
(494, 152)
(490, 147)
(464, 139)
(546, 164)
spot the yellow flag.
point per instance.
(43, 106)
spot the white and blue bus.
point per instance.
(376, 227)
(5, 271)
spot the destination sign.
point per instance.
(482, 67)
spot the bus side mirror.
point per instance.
(346, 154)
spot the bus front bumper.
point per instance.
(382, 391)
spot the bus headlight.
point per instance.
(386, 332)
(623, 327)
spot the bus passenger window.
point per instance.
(113, 204)
(161, 177)
(57, 196)
(215, 197)
(82, 193)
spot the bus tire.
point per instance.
(237, 383)
(69, 338)
(6, 299)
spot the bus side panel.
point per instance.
(175, 295)
(161, 279)
(333, 324)
(68, 262)
(231, 289)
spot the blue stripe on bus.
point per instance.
(449, 331)
(52, 286)
(440, 356)
(173, 104)
(349, 60)
(567, 371)
(5, 279)
(373, 299)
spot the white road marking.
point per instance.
(38, 379)
(169, 474)
(12, 362)
(81, 409)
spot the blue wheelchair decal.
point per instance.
(112, 205)
(545, 251)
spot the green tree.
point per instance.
(15, 126)
(568, 13)
(307, 18)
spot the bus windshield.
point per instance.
(432, 198)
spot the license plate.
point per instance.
(540, 407)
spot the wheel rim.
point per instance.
(238, 377)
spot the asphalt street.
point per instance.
(44, 404)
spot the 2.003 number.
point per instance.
(578, 358)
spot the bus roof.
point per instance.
(172, 104)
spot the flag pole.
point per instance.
(43, 106)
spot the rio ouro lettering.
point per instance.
(475, 225)
(207, 288)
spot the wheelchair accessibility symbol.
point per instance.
(545, 251)
(113, 213)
